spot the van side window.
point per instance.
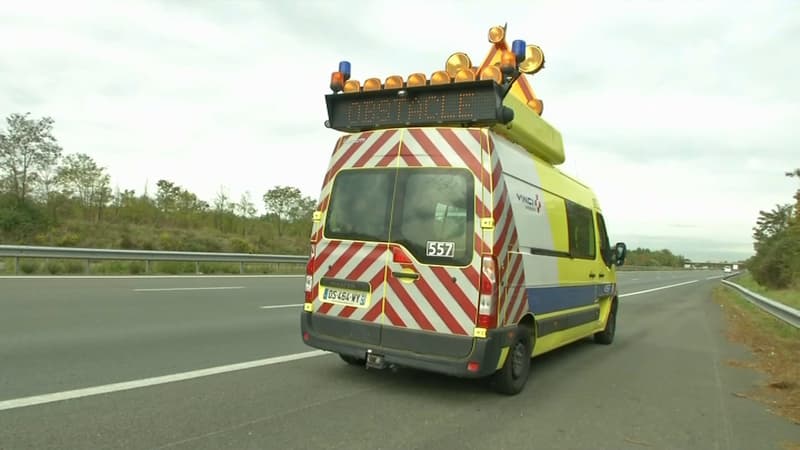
(581, 231)
(605, 247)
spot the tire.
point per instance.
(512, 377)
(352, 360)
(606, 337)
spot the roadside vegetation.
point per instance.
(774, 271)
(788, 296)
(50, 198)
(643, 257)
(776, 263)
(776, 349)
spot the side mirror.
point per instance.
(620, 250)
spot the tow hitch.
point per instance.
(375, 361)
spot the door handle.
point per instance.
(411, 275)
(592, 275)
(602, 275)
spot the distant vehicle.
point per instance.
(727, 269)
(735, 267)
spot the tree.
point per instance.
(222, 208)
(178, 203)
(647, 257)
(27, 148)
(286, 203)
(771, 223)
(795, 174)
(167, 196)
(48, 191)
(247, 209)
(80, 175)
(776, 263)
(305, 208)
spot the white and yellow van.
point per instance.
(446, 239)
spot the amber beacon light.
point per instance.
(457, 87)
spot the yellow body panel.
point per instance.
(562, 338)
(532, 132)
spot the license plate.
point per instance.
(345, 297)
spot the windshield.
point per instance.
(433, 211)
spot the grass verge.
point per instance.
(776, 348)
(39, 266)
(789, 297)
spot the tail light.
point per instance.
(310, 275)
(399, 256)
(487, 302)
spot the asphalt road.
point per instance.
(664, 383)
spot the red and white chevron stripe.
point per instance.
(443, 299)
(513, 299)
(352, 261)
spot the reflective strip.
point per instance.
(514, 304)
(502, 359)
(543, 300)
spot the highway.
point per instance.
(218, 362)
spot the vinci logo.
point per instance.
(532, 203)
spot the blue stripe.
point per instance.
(543, 300)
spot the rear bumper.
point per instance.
(421, 350)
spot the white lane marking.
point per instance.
(125, 277)
(658, 288)
(635, 279)
(213, 288)
(295, 305)
(116, 387)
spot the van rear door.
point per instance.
(352, 246)
(432, 277)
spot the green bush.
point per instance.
(239, 245)
(777, 263)
(54, 267)
(74, 266)
(215, 268)
(173, 267)
(136, 267)
(69, 239)
(126, 242)
(29, 267)
(167, 241)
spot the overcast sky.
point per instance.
(682, 116)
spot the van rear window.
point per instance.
(360, 205)
(434, 212)
(433, 215)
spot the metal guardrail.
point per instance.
(779, 310)
(91, 254)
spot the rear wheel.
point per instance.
(606, 336)
(513, 376)
(352, 360)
